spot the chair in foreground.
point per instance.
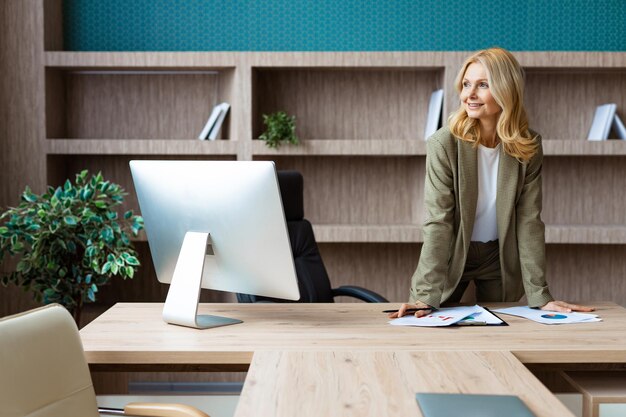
(313, 280)
(43, 372)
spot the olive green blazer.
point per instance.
(450, 196)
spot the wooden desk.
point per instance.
(131, 334)
(363, 383)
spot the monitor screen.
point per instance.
(217, 225)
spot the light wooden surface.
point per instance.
(598, 388)
(136, 334)
(364, 383)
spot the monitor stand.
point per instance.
(181, 304)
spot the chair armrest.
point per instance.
(361, 293)
(162, 410)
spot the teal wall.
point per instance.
(343, 25)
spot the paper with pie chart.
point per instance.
(438, 318)
(549, 317)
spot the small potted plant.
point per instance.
(69, 241)
(280, 128)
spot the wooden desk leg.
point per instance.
(591, 408)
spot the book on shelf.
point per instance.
(210, 122)
(215, 129)
(602, 120)
(619, 128)
(214, 123)
(435, 106)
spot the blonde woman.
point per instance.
(483, 196)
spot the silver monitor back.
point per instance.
(238, 203)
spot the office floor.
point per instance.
(213, 405)
(224, 405)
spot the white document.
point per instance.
(438, 318)
(481, 317)
(549, 317)
(602, 120)
(434, 113)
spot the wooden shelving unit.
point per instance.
(360, 118)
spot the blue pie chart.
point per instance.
(554, 316)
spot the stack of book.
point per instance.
(214, 124)
(605, 117)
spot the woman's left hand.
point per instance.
(563, 307)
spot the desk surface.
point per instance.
(134, 333)
(303, 384)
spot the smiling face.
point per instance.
(476, 95)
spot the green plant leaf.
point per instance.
(130, 272)
(114, 268)
(23, 266)
(128, 214)
(29, 196)
(131, 260)
(106, 267)
(90, 295)
(71, 220)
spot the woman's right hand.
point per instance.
(404, 307)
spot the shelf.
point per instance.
(339, 147)
(555, 234)
(417, 147)
(120, 60)
(586, 234)
(368, 234)
(140, 147)
(581, 147)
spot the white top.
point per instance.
(485, 222)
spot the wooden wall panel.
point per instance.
(355, 104)
(21, 116)
(359, 190)
(587, 272)
(561, 102)
(143, 105)
(385, 268)
(584, 191)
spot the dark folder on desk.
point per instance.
(471, 405)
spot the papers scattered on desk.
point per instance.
(549, 317)
(448, 316)
(482, 317)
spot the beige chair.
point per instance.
(43, 372)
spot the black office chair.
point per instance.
(313, 280)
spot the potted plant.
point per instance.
(69, 241)
(280, 128)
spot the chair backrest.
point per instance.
(43, 372)
(313, 279)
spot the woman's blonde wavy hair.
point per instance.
(506, 83)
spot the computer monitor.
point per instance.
(217, 225)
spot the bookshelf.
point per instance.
(360, 118)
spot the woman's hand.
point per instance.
(404, 307)
(563, 307)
